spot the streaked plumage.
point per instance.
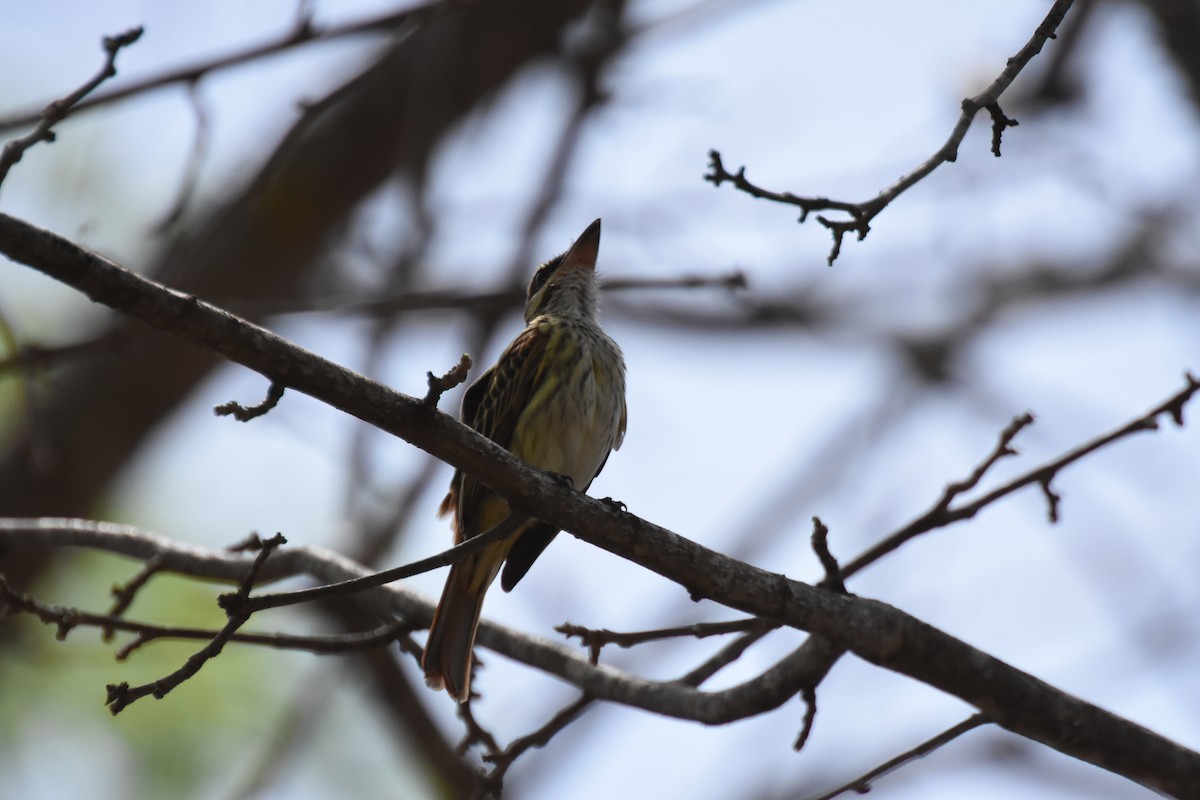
(556, 399)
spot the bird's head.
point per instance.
(566, 284)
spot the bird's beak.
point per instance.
(586, 248)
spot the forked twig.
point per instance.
(57, 111)
(942, 514)
(861, 214)
(121, 695)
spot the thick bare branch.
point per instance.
(874, 631)
(805, 666)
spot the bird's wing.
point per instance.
(470, 406)
(493, 408)
(525, 550)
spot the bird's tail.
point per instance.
(447, 660)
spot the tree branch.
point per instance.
(301, 34)
(862, 784)
(502, 760)
(121, 695)
(473, 301)
(246, 413)
(353, 586)
(67, 619)
(57, 111)
(594, 639)
(805, 666)
(942, 514)
(874, 631)
(861, 214)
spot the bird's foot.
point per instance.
(562, 480)
(615, 505)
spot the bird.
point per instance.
(556, 399)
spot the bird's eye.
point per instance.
(543, 274)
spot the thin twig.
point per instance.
(820, 544)
(453, 377)
(379, 636)
(475, 302)
(862, 784)
(809, 695)
(195, 162)
(475, 733)
(57, 111)
(123, 594)
(596, 638)
(1002, 449)
(246, 413)
(121, 695)
(502, 760)
(730, 280)
(728, 654)
(942, 514)
(66, 619)
(237, 602)
(297, 36)
(861, 214)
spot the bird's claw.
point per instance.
(615, 505)
(562, 480)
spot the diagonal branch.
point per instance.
(874, 631)
(862, 784)
(942, 514)
(504, 528)
(57, 111)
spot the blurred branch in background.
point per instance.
(303, 33)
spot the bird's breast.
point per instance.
(574, 421)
